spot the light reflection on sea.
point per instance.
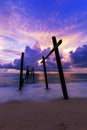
(9, 77)
(35, 90)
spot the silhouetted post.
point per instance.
(45, 73)
(21, 72)
(59, 65)
(33, 74)
(27, 73)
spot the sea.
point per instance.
(34, 88)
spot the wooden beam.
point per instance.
(60, 70)
(60, 41)
(21, 72)
(45, 72)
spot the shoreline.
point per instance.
(56, 114)
(38, 92)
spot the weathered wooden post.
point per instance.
(33, 74)
(45, 73)
(27, 73)
(21, 72)
(60, 70)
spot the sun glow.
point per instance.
(39, 62)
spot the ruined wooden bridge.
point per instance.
(59, 67)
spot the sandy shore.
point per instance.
(58, 114)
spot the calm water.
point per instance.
(35, 90)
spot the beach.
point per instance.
(58, 114)
(36, 108)
(43, 64)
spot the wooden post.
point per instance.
(21, 72)
(45, 73)
(27, 73)
(33, 74)
(60, 70)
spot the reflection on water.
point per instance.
(36, 91)
(54, 77)
(11, 77)
(76, 77)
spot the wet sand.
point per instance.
(56, 114)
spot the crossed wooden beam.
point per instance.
(60, 41)
(59, 66)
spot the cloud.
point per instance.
(8, 66)
(32, 57)
(79, 57)
(12, 52)
(22, 22)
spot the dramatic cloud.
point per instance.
(79, 57)
(33, 57)
(12, 52)
(23, 22)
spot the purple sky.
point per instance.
(28, 25)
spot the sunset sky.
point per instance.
(28, 25)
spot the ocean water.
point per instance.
(35, 90)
